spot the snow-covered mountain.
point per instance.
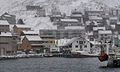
(17, 7)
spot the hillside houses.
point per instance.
(55, 18)
(19, 28)
(34, 43)
(68, 33)
(105, 35)
(77, 15)
(67, 22)
(80, 31)
(40, 11)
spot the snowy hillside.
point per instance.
(18, 7)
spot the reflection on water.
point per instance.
(55, 65)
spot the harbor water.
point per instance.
(55, 65)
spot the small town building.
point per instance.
(96, 30)
(94, 13)
(40, 11)
(8, 44)
(96, 18)
(77, 15)
(76, 44)
(19, 28)
(33, 43)
(4, 26)
(55, 18)
(67, 22)
(114, 12)
(113, 20)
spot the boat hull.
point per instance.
(82, 56)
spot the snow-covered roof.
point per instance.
(56, 16)
(88, 22)
(75, 27)
(33, 38)
(76, 15)
(105, 32)
(30, 32)
(61, 42)
(113, 26)
(4, 22)
(23, 26)
(69, 20)
(90, 33)
(113, 18)
(98, 28)
(5, 34)
(95, 18)
(118, 23)
(70, 41)
(7, 15)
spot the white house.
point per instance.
(77, 44)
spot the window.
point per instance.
(105, 34)
(14, 38)
(77, 41)
(80, 42)
(76, 46)
(91, 39)
(80, 47)
(27, 46)
(85, 46)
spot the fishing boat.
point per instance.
(113, 60)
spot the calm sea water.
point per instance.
(55, 65)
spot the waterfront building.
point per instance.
(33, 43)
(76, 44)
(8, 44)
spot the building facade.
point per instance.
(8, 44)
(61, 34)
(4, 26)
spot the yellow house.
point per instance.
(19, 28)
